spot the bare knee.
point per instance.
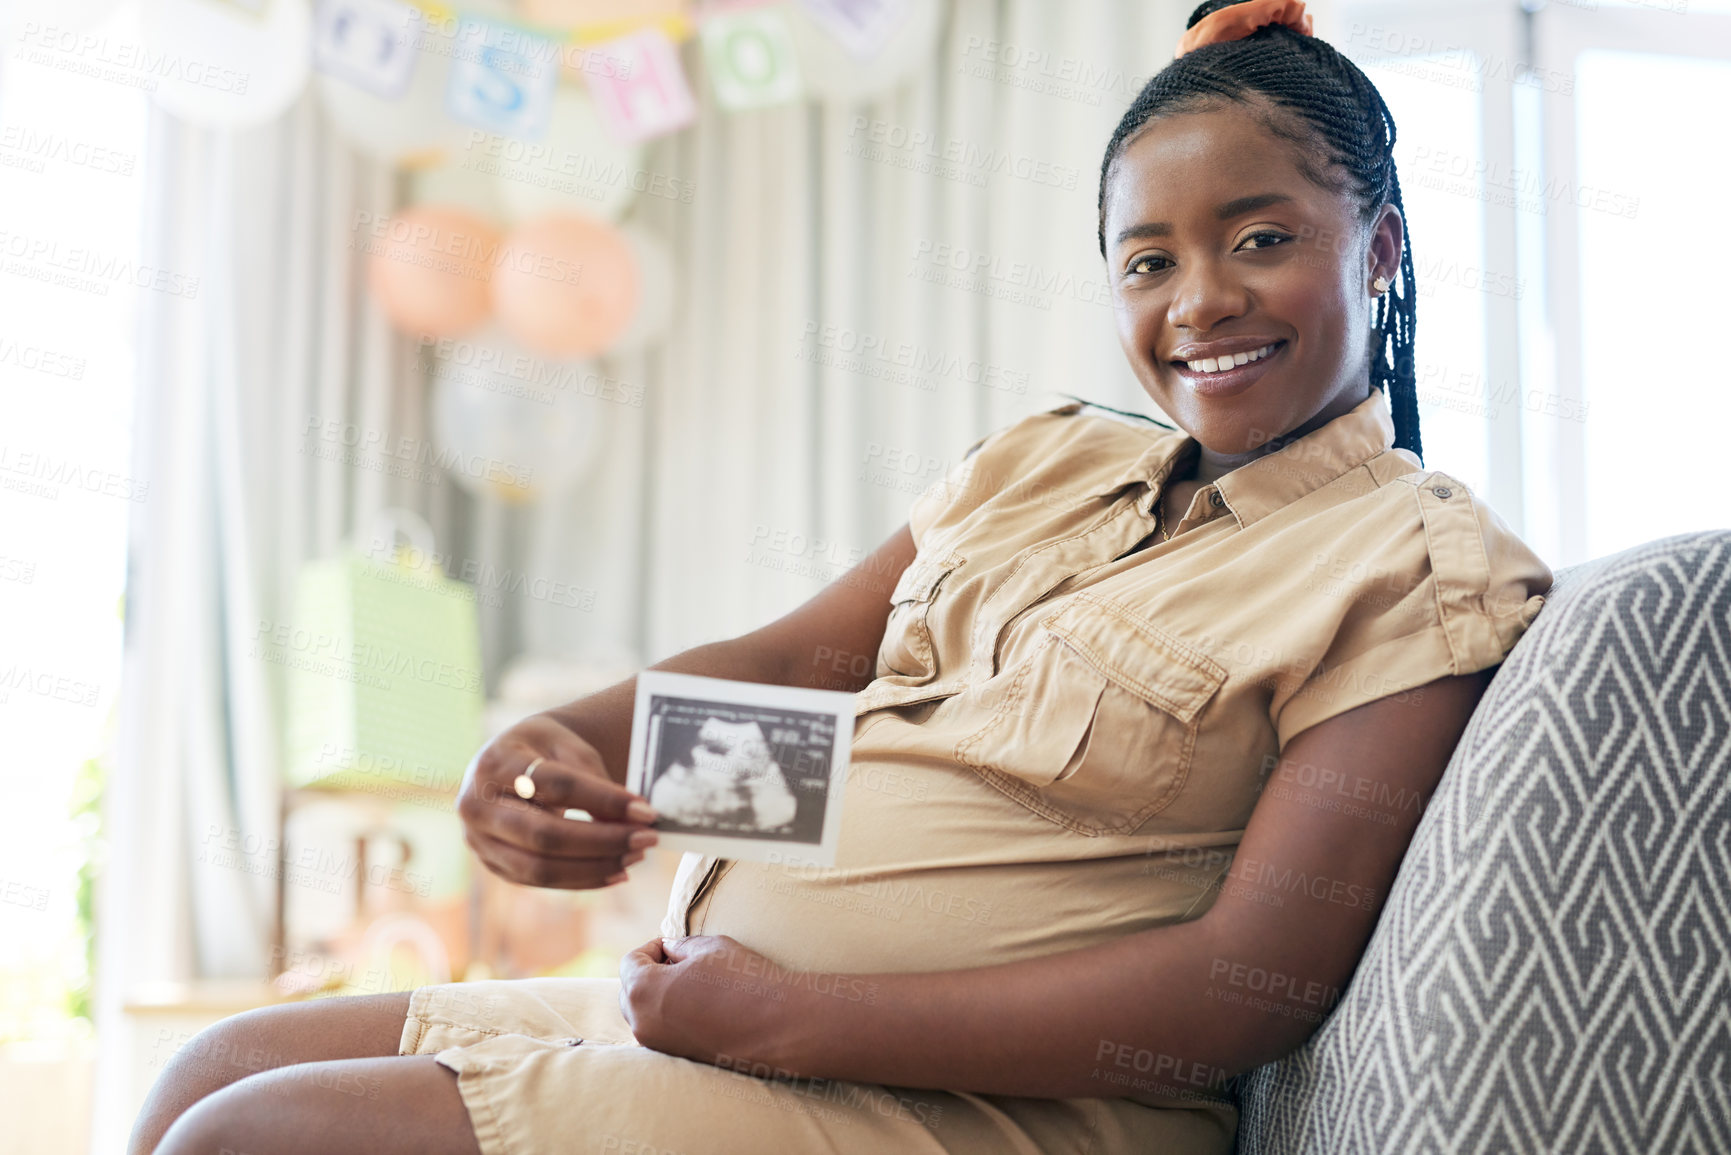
(203, 1126)
(346, 1107)
(342, 1027)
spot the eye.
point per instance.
(1278, 237)
(1269, 238)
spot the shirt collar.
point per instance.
(1254, 490)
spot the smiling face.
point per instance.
(1216, 244)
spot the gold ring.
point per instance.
(526, 782)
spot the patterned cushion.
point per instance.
(1551, 971)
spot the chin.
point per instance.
(1221, 424)
(1236, 431)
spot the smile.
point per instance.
(1208, 365)
(1228, 375)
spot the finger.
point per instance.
(529, 869)
(542, 736)
(692, 945)
(634, 962)
(541, 832)
(561, 786)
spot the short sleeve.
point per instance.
(1484, 588)
(969, 482)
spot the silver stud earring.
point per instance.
(1380, 284)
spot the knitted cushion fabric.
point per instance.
(1552, 972)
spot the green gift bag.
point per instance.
(384, 688)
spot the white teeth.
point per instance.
(1219, 364)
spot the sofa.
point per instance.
(1552, 970)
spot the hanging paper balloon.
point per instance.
(833, 68)
(654, 315)
(383, 72)
(565, 285)
(578, 166)
(231, 66)
(430, 267)
(510, 424)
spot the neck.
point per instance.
(1212, 466)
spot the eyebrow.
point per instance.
(1225, 212)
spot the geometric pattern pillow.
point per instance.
(1552, 970)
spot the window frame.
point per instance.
(1548, 38)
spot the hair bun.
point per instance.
(1218, 20)
(1208, 8)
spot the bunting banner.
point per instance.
(502, 75)
(862, 26)
(505, 85)
(367, 43)
(750, 57)
(644, 95)
(525, 142)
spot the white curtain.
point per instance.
(744, 438)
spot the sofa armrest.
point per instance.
(1552, 969)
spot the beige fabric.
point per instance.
(1063, 744)
(549, 1064)
(1065, 738)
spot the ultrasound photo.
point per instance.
(740, 769)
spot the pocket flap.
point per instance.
(920, 580)
(887, 691)
(1130, 651)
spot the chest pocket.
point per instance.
(1096, 727)
(907, 652)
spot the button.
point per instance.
(1216, 500)
(1443, 492)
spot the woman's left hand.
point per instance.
(704, 997)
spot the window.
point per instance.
(1655, 376)
(1561, 148)
(71, 181)
(1436, 113)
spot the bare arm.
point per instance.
(819, 644)
(1172, 1009)
(583, 746)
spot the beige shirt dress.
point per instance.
(1063, 743)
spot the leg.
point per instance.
(344, 1027)
(405, 1104)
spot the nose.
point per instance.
(1205, 293)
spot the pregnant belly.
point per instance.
(937, 870)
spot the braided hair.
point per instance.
(1336, 107)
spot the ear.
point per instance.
(1387, 237)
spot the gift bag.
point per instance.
(384, 685)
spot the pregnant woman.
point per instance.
(1154, 715)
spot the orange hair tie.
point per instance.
(1237, 21)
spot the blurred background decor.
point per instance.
(383, 661)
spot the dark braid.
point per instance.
(1336, 106)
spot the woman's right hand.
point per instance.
(531, 842)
